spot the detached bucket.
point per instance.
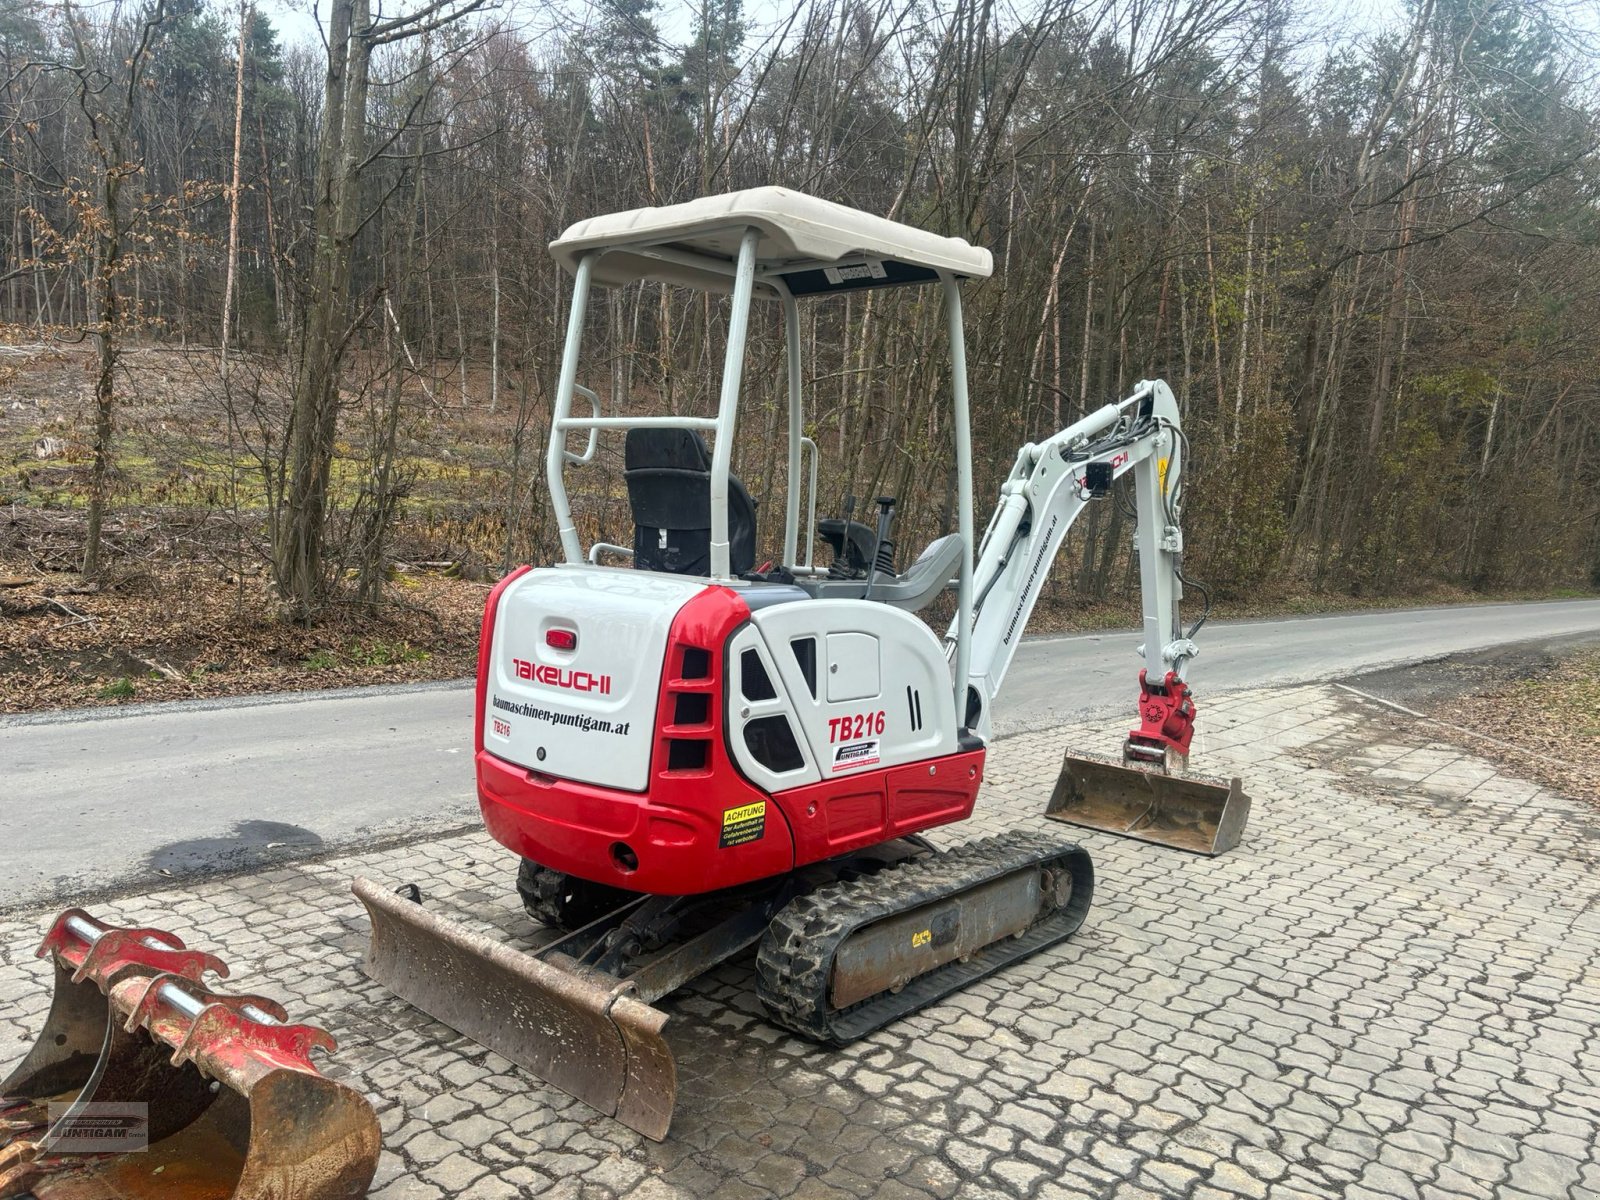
(217, 1096)
(1186, 812)
(577, 1030)
(89, 956)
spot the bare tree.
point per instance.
(233, 188)
(342, 159)
(107, 89)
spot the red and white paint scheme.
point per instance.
(676, 734)
(684, 723)
(831, 719)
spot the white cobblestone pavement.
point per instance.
(1391, 989)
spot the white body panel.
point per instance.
(587, 714)
(749, 703)
(882, 689)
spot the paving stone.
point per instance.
(1236, 1181)
(1543, 1174)
(659, 1189)
(455, 1173)
(1386, 990)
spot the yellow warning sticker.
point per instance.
(744, 824)
(922, 938)
(1161, 468)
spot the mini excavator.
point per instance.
(692, 756)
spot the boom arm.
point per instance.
(1048, 488)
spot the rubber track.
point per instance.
(545, 895)
(540, 889)
(795, 961)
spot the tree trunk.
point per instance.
(298, 557)
(104, 318)
(494, 321)
(233, 190)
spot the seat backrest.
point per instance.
(668, 472)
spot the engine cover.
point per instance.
(575, 671)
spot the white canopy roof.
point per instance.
(816, 245)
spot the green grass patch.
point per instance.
(385, 654)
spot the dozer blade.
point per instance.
(574, 1029)
(1183, 811)
(233, 1108)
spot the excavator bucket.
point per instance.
(1175, 809)
(576, 1029)
(63, 1059)
(212, 1096)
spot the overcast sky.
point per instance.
(675, 20)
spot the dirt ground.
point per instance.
(169, 633)
(185, 608)
(1531, 708)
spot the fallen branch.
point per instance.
(78, 617)
(161, 668)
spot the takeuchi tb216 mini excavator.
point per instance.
(692, 756)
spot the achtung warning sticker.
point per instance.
(743, 824)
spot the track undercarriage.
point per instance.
(843, 948)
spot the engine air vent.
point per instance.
(914, 707)
(687, 754)
(691, 708)
(805, 653)
(754, 683)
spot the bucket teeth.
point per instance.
(220, 1086)
(19, 1169)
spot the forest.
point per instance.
(306, 330)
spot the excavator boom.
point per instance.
(1148, 795)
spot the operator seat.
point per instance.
(668, 472)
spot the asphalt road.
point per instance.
(100, 800)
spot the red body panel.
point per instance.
(485, 637)
(669, 841)
(573, 827)
(839, 815)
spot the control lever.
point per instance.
(839, 568)
(883, 551)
